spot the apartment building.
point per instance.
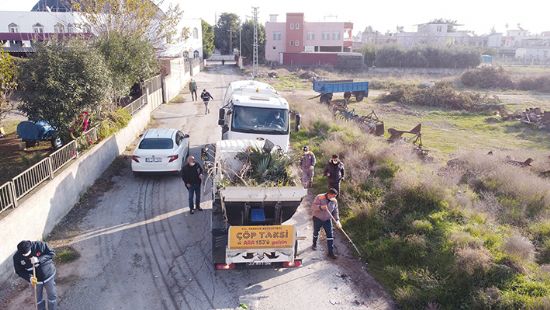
(296, 35)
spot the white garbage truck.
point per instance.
(248, 220)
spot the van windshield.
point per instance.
(260, 120)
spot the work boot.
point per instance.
(314, 247)
(192, 212)
(332, 255)
(199, 208)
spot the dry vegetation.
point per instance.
(471, 233)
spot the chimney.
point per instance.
(273, 18)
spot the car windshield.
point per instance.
(260, 120)
(156, 144)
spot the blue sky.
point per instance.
(479, 16)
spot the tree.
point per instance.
(227, 26)
(451, 23)
(130, 59)
(207, 39)
(369, 55)
(60, 81)
(248, 40)
(8, 73)
(143, 18)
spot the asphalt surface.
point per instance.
(141, 248)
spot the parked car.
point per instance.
(160, 150)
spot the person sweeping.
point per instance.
(324, 208)
(33, 262)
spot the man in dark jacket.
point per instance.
(39, 255)
(193, 89)
(192, 175)
(205, 96)
(325, 208)
(335, 172)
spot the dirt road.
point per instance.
(141, 248)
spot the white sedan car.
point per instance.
(160, 150)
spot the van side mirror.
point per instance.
(221, 117)
(298, 122)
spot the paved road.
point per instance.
(141, 249)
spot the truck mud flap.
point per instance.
(219, 244)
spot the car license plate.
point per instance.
(259, 264)
(153, 159)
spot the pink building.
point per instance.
(295, 35)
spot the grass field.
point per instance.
(446, 132)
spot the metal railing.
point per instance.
(24, 183)
(7, 198)
(61, 157)
(136, 105)
(88, 138)
(32, 177)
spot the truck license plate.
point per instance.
(258, 264)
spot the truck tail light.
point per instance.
(135, 158)
(224, 266)
(172, 158)
(296, 263)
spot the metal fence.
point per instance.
(24, 183)
(136, 105)
(61, 157)
(32, 177)
(88, 138)
(7, 198)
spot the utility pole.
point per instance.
(255, 46)
(230, 40)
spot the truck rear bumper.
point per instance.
(277, 265)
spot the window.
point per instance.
(70, 28)
(291, 26)
(326, 36)
(156, 144)
(336, 36)
(274, 47)
(59, 28)
(297, 26)
(439, 28)
(296, 43)
(38, 28)
(277, 36)
(13, 28)
(311, 36)
(195, 33)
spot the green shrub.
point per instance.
(541, 84)
(426, 57)
(113, 122)
(487, 77)
(441, 95)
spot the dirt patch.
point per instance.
(15, 159)
(68, 228)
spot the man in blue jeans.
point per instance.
(38, 256)
(324, 208)
(192, 175)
